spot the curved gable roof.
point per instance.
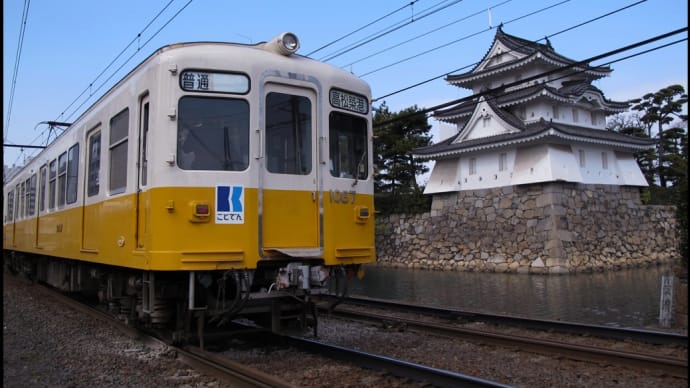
(538, 133)
(529, 52)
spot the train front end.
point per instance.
(264, 195)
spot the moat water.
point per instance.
(626, 298)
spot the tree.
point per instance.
(660, 109)
(395, 136)
(668, 165)
(632, 125)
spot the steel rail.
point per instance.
(672, 366)
(434, 376)
(230, 372)
(620, 333)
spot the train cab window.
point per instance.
(62, 179)
(94, 164)
(119, 130)
(52, 176)
(42, 180)
(348, 146)
(288, 134)
(213, 134)
(72, 173)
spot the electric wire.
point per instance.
(458, 40)
(115, 59)
(425, 34)
(361, 28)
(428, 12)
(20, 45)
(39, 136)
(400, 90)
(492, 92)
(130, 58)
(546, 38)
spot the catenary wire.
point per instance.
(424, 34)
(20, 44)
(429, 11)
(458, 40)
(39, 136)
(538, 40)
(585, 62)
(137, 37)
(449, 73)
(131, 56)
(410, 4)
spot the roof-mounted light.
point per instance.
(284, 44)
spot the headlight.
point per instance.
(284, 44)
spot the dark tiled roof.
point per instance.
(567, 93)
(541, 132)
(529, 49)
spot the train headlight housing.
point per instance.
(284, 44)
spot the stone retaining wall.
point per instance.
(541, 228)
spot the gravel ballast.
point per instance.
(48, 344)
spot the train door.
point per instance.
(142, 177)
(289, 188)
(91, 223)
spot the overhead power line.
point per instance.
(361, 28)
(136, 38)
(425, 34)
(494, 92)
(427, 12)
(461, 39)
(90, 86)
(20, 45)
(545, 38)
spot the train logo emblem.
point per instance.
(229, 205)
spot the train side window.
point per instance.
(348, 146)
(94, 164)
(10, 205)
(62, 179)
(288, 134)
(27, 197)
(144, 143)
(20, 201)
(119, 129)
(72, 173)
(42, 180)
(52, 176)
(213, 134)
(31, 188)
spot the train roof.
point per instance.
(263, 51)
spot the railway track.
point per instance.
(673, 366)
(237, 374)
(232, 373)
(625, 334)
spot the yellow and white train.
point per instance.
(214, 180)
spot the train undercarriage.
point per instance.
(277, 295)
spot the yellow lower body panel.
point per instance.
(180, 229)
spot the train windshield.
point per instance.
(348, 146)
(213, 134)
